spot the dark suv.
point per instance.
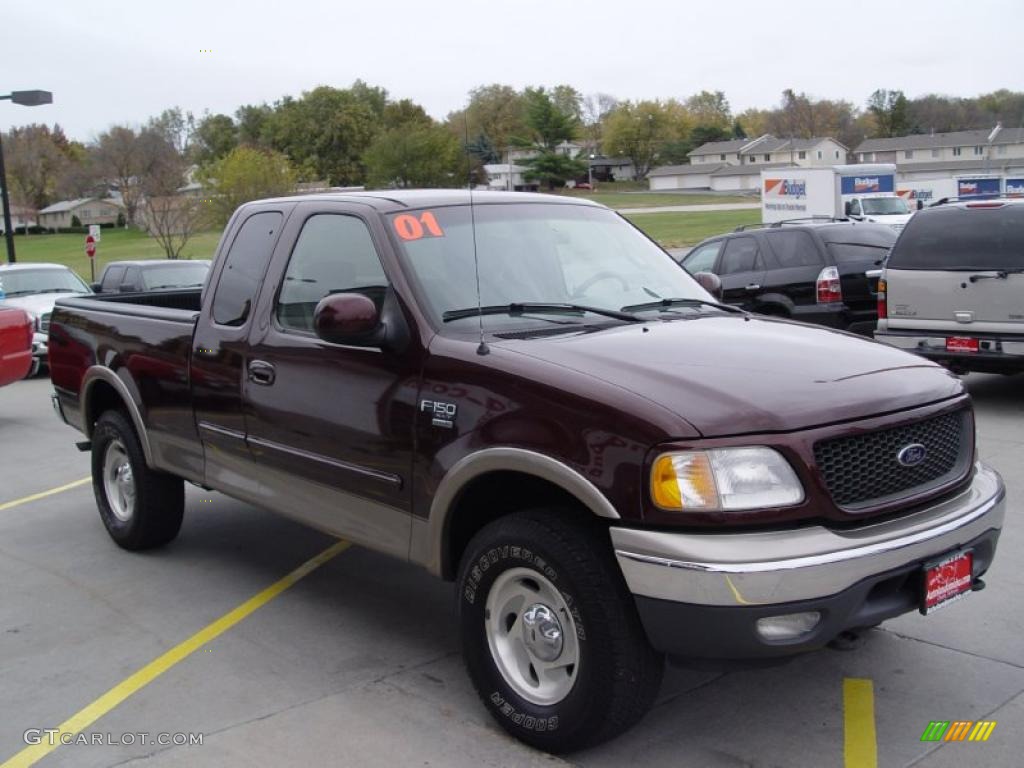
(814, 272)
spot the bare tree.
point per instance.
(172, 220)
(169, 217)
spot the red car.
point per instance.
(15, 344)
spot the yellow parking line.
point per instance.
(101, 706)
(860, 748)
(44, 494)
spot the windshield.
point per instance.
(25, 282)
(885, 206)
(175, 276)
(534, 253)
(953, 238)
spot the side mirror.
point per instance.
(848, 208)
(95, 287)
(348, 318)
(920, 205)
(711, 283)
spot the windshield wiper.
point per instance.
(666, 303)
(539, 307)
(1000, 274)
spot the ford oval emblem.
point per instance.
(912, 455)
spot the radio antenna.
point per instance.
(482, 348)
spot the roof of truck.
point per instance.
(397, 199)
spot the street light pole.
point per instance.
(8, 225)
(27, 99)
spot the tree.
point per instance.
(245, 174)
(120, 158)
(494, 111)
(889, 108)
(169, 217)
(215, 136)
(547, 127)
(568, 101)
(639, 131)
(35, 163)
(405, 113)
(326, 132)
(595, 110)
(710, 110)
(251, 120)
(413, 155)
(176, 128)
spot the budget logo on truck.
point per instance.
(867, 184)
(785, 188)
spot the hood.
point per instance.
(727, 375)
(37, 304)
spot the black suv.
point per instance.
(813, 272)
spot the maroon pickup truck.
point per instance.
(525, 395)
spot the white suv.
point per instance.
(953, 286)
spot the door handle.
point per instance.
(261, 372)
(752, 287)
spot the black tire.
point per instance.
(154, 516)
(618, 673)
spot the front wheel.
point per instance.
(140, 507)
(550, 634)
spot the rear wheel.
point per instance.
(550, 634)
(140, 507)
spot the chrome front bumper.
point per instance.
(772, 567)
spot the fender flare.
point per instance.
(494, 460)
(98, 373)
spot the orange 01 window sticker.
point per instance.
(410, 227)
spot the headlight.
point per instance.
(724, 479)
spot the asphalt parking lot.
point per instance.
(357, 662)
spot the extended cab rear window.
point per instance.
(956, 238)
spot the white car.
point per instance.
(35, 288)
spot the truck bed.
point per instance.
(146, 340)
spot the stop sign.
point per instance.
(90, 246)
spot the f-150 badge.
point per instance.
(441, 414)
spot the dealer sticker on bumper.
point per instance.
(946, 581)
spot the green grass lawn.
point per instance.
(114, 245)
(651, 199)
(674, 230)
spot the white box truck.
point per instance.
(860, 192)
(926, 191)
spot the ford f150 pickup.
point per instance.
(525, 395)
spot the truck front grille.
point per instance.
(44, 323)
(864, 471)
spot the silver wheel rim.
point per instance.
(532, 636)
(119, 481)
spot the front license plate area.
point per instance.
(947, 580)
(961, 344)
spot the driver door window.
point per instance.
(334, 254)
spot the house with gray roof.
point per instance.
(768, 149)
(88, 210)
(946, 148)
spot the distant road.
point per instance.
(693, 208)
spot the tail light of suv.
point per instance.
(829, 289)
(883, 306)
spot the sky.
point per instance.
(114, 62)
